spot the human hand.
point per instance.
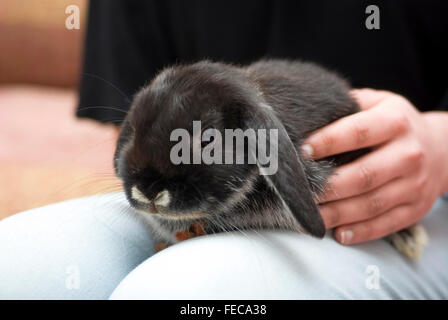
(396, 184)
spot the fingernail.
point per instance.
(307, 150)
(346, 236)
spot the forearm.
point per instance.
(438, 123)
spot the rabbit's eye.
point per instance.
(135, 172)
(208, 136)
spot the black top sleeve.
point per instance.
(129, 41)
(126, 44)
(443, 105)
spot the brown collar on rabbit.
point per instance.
(196, 229)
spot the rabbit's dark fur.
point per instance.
(294, 97)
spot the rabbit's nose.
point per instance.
(162, 199)
(138, 196)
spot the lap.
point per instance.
(77, 249)
(85, 248)
(286, 265)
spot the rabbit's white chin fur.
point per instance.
(177, 216)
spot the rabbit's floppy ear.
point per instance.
(289, 181)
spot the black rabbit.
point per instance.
(185, 199)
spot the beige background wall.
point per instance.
(46, 154)
(36, 47)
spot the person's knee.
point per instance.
(266, 265)
(78, 249)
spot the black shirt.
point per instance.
(129, 41)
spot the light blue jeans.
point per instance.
(99, 248)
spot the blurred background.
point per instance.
(46, 153)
